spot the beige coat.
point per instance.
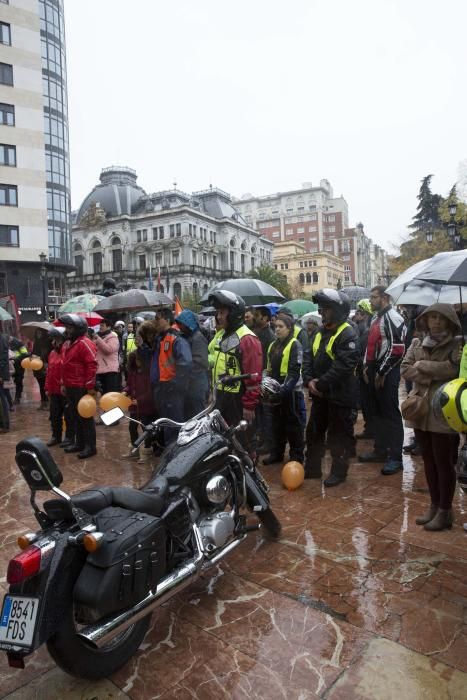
(430, 368)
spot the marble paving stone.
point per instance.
(453, 542)
(56, 685)
(388, 671)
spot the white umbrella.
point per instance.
(411, 287)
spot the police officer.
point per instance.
(236, 401)
(329, 374)
(284, 364)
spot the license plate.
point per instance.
(18, 620)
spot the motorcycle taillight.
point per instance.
(24, 565)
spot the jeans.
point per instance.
(387, 419)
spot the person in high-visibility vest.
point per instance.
(329, 374)
(236, 401)
(284, 364)
(20, 353)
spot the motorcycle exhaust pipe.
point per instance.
(99, 634)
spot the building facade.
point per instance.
(34, 164)
(189, 241)
(307, 272)
(314, 218)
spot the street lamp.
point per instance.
(43, 259)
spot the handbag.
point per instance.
(415, 407)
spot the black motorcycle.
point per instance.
(87, 582)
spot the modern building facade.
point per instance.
(34, 163)
(189, 241)
(312, 217)
(307, 272)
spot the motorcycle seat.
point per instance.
(95, 500)
(158, 485)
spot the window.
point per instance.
(161, 233)
(158, 259)
(7, 155)
(145, 234)
(330, 217)
(9, 236)
(347, 268)
(193, 256)
(5, 33)
(252, 263)
(308, 278)
(175, 257)
(242, 263)
(172, 230)
(142, 262)
(300, 209)
(8, 196)
(214, 262)
(313, 217)
(138, 236)
(301, 278)
(6, 74)
(289, 232)
(178, 230)
(301, 240)
(331, 229)
(79, 264)
(276, 234)
(300, 229)
(315, 278)
(117, 260)
(232, 260)
(205, 260)
(289, 211)
(154, 234)
(97, 262)
(7, 115)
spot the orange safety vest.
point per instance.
(167, 368)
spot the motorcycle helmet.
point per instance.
(270, 391)
(333, 299)
(57, 332)
(76, 324)
(450, 404)
(222, 298)
(365, 306)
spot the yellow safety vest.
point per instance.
(130, 343)
(220, 365)
(332, 340)
(284, 368)
(212, 346)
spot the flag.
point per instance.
(150, 284)
(178, 306)
(158, 278)
(167, 281)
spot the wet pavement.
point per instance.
(354, 601)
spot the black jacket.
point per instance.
(4, 365)
(266, 337)
(336, 378)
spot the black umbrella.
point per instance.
(252, 291)
(133, 300)
(356, 292)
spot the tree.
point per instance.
(428, 206)
(268, 274)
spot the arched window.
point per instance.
(96, 258)
(232, 242)
(77, 248)
(177, 290)
(115, 241)
(195, 290)
(308, 278)
(117, 257)
(301, 278)
(205, 288)
(315, 278)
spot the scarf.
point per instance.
(433, 339)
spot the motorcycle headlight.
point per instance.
(217, 489)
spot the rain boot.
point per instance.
(428, 516)
(132, 453)
(146, 454)
(442, 521)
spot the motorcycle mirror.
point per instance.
(112, 416)
(231, 342)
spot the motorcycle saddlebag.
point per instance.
(130, 561)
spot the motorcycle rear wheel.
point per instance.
(78, 658)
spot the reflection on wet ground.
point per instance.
(354, 601)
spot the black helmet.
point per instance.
(223, 298)
(333, 299)
(57, 332)
(76, 322)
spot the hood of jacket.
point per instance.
(445, 310)
(188, 319)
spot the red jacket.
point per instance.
(79, 364)
(251, 362)
(53, 378)
(139, 388)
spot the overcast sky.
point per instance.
(262, 95)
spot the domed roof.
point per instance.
(116, 194)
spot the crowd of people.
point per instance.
(339, 363)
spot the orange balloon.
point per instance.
(26, 363)
(36, 363)
(293, 475)
(112, 399)
(87, 406)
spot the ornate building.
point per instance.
(191, 241)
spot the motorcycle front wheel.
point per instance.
(270, 523)
(78, 658)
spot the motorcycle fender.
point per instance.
(256, 496)
(54, 588)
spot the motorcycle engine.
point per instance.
(216, 529)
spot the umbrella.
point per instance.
(133, 300)
(83, 302)
(446, 268)
(311, 316)
(252, 291)
(356, 292)
(4, 315)
(29, 329)
(92, 319)
(412, 288)
(299, 307)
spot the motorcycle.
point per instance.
(104, 559)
